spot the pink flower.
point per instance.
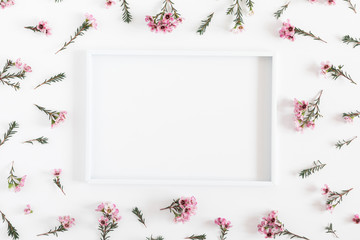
(325, 66)
(22, 181)
(28, 210)
(116, 218)
(239, 29)
(331, 2)
(222, 222)
(67, 222)
(18, 63)
(42, 26)
(100, 208)
(91, 19)
(48, 31)
(325, 190)
(348, 119)
(17, 189)
(356, 219)
(103, 221)
(149, 19)
(109, 3)
(329, 207)
(27, 68)
(110, 208)
(57, 172)
(61, 118)
(287, 31)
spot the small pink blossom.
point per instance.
(239, 29)
(109, 3)
(57, 172)
(42, 26)
(59, 119)
(28, 210)
(103, 221)
(329, 208)
(348, 119)
(67, 222)
(18, 63)
(27, 68)
(92, 20)
(331, 2)
(312, 1)
(325, 190)
(356, 219)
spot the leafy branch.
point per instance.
(41, 140)
(4, 78)
(317, 167)
(57, 182)
(158, 238)
(347, 39)
(238, 20)
(308, 34)
(340, 144)
(352, 114)
(106, 229)
(126, 13)
(58, 0)
(204, 24)
(10, 132)
(329, 229)
(197, 237)
(139, 214)
(335, 198)
(57, 78)
(79, 32)
(351, 5)
(313, 112)
(250, 5)
(291, 235)
(280, 12)
(11, 230)
(338, 72)
(54, 232)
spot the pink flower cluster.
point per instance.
(356, 219)
(348, 119)
(330, 2)
(188, 206)
(67, 222)
(6, 3)
(109, 3)
(287, 31)
(19, 184)
(325, 191)
(300, 108)
(223, 223)
(111, 213)
(28, 210)
(90, 18)
(166, 23)
(20, 65)
(270, 226)
(44, 28)
(61, 118)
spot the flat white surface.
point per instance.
(300, 203)
(182, 117)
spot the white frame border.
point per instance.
(88, 157)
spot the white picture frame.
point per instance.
(93, 116)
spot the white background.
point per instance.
(299, 202)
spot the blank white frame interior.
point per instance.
(181, 117)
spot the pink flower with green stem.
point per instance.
(289, 31)
(66, 222)
(56, 180)
(182, 208)
(334, 198)
(108, 222)
(335, 72)
(306, 113)
(349, 117)
(55, 117)
(14, 181)
(90, 22)
(6, 77)
(224, 225)
(166, 20)
(28, 210)
(272, 227)
(41, 27)
(238, 12)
